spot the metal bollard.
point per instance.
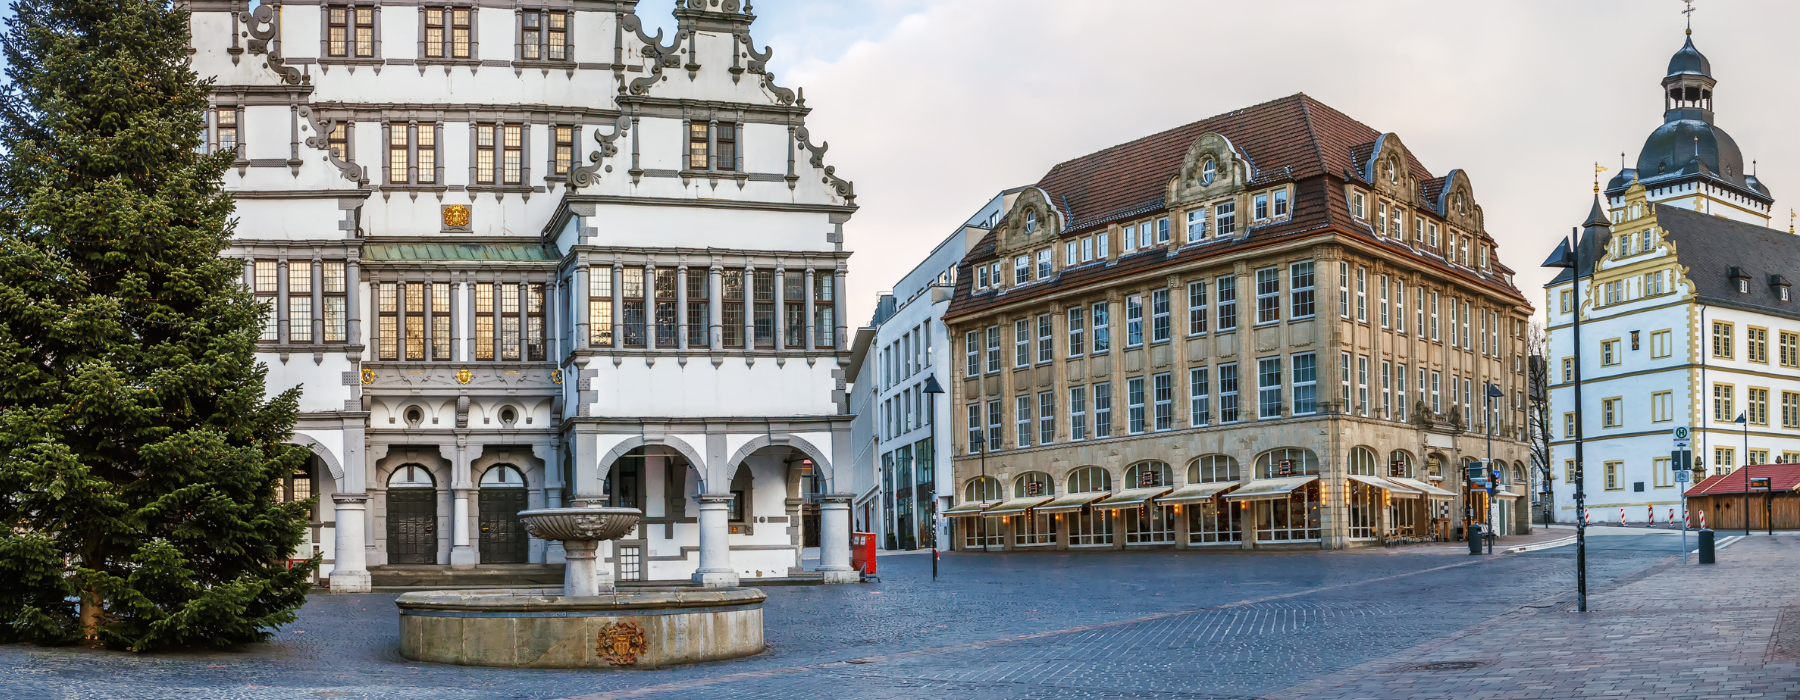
(1706, 546)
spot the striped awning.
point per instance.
(1270, 489)
(1197, 493)
(1132, 498)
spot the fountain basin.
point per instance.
(591, 523)
(539, 628)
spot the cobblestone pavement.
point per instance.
(1138, 624)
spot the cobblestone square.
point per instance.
(1409, 622)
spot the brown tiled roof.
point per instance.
(1295, 138)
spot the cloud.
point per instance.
(933, 106)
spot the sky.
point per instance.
(934, 106)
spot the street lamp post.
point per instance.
(1744, 464)
(931, 391)
(1567, 256)
(1493, 392)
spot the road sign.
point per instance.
(1681, 434)
(1681, 459)
(1759, 482)
(1681, 476)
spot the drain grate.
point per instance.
(1442, 666)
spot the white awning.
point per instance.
(967, 510)
(1197, 493)
(1394, 489)
(1132, 498)
(1270, 489)
(1429, 490)
(1070, 503)
(1017, 506)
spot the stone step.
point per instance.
(489, 576)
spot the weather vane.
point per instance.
(1598, 168)
(1690, 15)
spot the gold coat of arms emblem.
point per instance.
(621, 643)
(456, 215)
(464, 375)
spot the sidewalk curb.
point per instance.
(1540, 545)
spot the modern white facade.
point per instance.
(520, 255)
(1686, 321)
(911, 482)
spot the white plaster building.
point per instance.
(1686, 319)
(909, 483)
(520, 254)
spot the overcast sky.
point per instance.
(933, 106)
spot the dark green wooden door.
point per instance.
(412, 526)
(503, 538)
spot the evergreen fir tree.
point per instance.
(138, 452)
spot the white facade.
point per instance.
(912, 483)
(1686, 321)
(523, 255)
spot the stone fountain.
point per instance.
(586, 624)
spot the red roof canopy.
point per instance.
(1782, 477)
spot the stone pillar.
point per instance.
(650, 319)
(714, 308)
(553, 493)
(462, 556)
(834, 538)
(350, 572)
(578, 295)
(1181, 523)
(681, 308)
(812, 334)
(281, 305)
(781, 293)
(582, 578)
(618, 305)
(715, 552)
(837, 310)
(749, 310)
(1247, 520)
(353, 304)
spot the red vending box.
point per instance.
(862, 552)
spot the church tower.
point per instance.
(1689, 161)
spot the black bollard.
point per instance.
(1706, 546)
(934, 562)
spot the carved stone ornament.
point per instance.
(368, 376)
(1212, 168)
(456, 216)
(621, 643)
(463, 376)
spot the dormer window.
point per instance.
(1358, 205)
(981, 277)
(1393, 171)
(1208, 171)
(1281, 202)
(1740, 280)
(1780, 285)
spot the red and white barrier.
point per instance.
(1703, 520)
(1671, 516)
(1587, 517)
(1621, 517)
(1652, 520)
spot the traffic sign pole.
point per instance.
(1683, 461)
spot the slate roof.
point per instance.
(498, 252)
(1295, 138)
(1710, 246)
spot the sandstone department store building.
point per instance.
(1270, 328)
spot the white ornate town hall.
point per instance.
(519, 253)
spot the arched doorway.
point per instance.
(503, 538)
(412, 516)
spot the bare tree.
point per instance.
(1537, 416)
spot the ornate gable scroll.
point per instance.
(1212, 168)
(1457, 202)
(1390, 170)
(1031, 223)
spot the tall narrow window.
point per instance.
(1134, 321)
(556, 35)
(1046, 339)
(1362, 294)
(698, 145)
(300, 306)
(1102, 332)
(1228, 393)
(1077, 330)
(414, 321)
(1306, 384)
(1399, 307)
(1268, 388)
(1268, 295)
(726, 156)
(1387, 389)
(337, 32)
(225, 130)
(1227, 300)
(484, 154)
(995, 421)
(460, 38)
(440, 321)
(1162, 396)
(764, 318)
(1199, 397)
(1434, 317)
(267, 274)
(427, 154)
(1225, 219)
(1159, 315)
(1021, 343)
(1300, 289)
(1134, 404)
(1385, 305)
(1046, 417)
(336, 324)
(1196, 308)
(698, 309)
(1400, 393)
(387, 311)
(398, 158)
(1022, 414)
(484, 321)
(365, 32)
(667, 328)
(793, 316)
(513, 152)
(993, 349)
(509, 322)
(530, 35)
(565, 148)
(633, 315)
(731, 309)
(600, 307)
(1362, 385)
(824, 318)
(434, 32)
(1078, 413)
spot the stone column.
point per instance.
(353, 304)
(749, 310)
(714, 308)
(462, 556)
(681, 308)
(781, 293)
(715, 552)
(318, 300)
(350, 572)
(834, 538)
(281, 305)
(650, 319)
(837, 310)
(812, 334)
(578, 295)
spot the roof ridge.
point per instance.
(1312, 130)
